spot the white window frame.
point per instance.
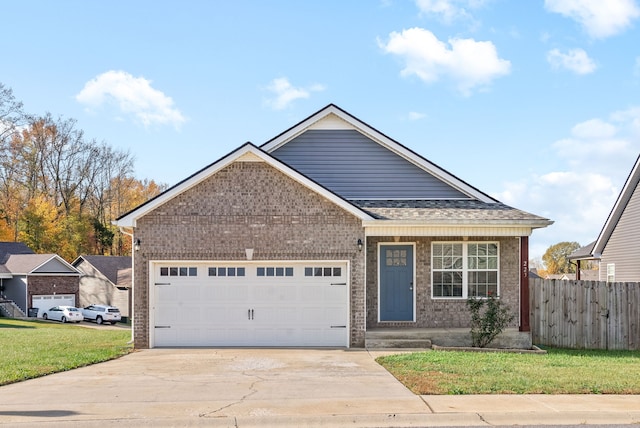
(611, 272)
(465, 269)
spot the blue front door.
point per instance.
(396, 283)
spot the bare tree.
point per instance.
(12, 116)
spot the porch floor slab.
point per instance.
(425, 337)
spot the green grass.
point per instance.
(32, 348)
(560, 371)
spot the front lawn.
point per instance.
(33, 348)
(560, 371)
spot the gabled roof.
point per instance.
(111, 267)
(618, 209)
(335, 115)
(125, 277)
(450, 211)
(25, 264)
(583, 253)
(249, 152)
(8, 248)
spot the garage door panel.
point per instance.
(46, 302)
(166, 315)
(166, 293)
(191, 314)
(311, 293)
(227, 304)
(190, 293)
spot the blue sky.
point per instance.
(535, 102)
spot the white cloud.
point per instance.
(599, 18)
(469, 63)
(629, 118)
(132, 95)
(594, 128)
(414, 115)
(285, 93)
(578, 202)
(597, 156)
(575, 60)
(448, 10)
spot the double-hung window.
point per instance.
(464, 269)
(611, 272)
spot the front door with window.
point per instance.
(396, 283)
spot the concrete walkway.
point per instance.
(275, 387)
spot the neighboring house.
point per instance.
(326, 231)
(32, 280)
(585, 275)
(105, 280)
(616, 249)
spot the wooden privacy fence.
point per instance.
(585, 314)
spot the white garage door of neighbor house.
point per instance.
(44, 302)
(250, 304)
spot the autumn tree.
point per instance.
(12, 117)
(556, 258)
(127, 193)
(60, 191)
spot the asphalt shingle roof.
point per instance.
(8, 248)
(22, 264)
(111, 267)
(443, 210)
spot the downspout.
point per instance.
(133, 275)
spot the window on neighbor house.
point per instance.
(464, 269)
(611, 272)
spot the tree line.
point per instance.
(59, 190)
(556, 260)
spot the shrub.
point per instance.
(488, 323)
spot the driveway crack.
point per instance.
(252, 390)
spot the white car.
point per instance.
(101, 314)
(63, 314)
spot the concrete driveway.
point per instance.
(216, 387)
(275, 387)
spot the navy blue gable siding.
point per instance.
(355, 167)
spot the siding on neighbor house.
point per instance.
(442, 313)
(355, 167)
(623, 247)
(54, 266)
(248, 205)
(16, 289)
(97, 288)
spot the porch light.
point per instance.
(136, 246)
(359, 244)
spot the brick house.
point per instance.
(30, 280)
(325, 232)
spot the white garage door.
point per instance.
(44, 302)
(250, 304)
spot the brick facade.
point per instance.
(253, 205)
(248, 205)
(52, 284)
(441, 313)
